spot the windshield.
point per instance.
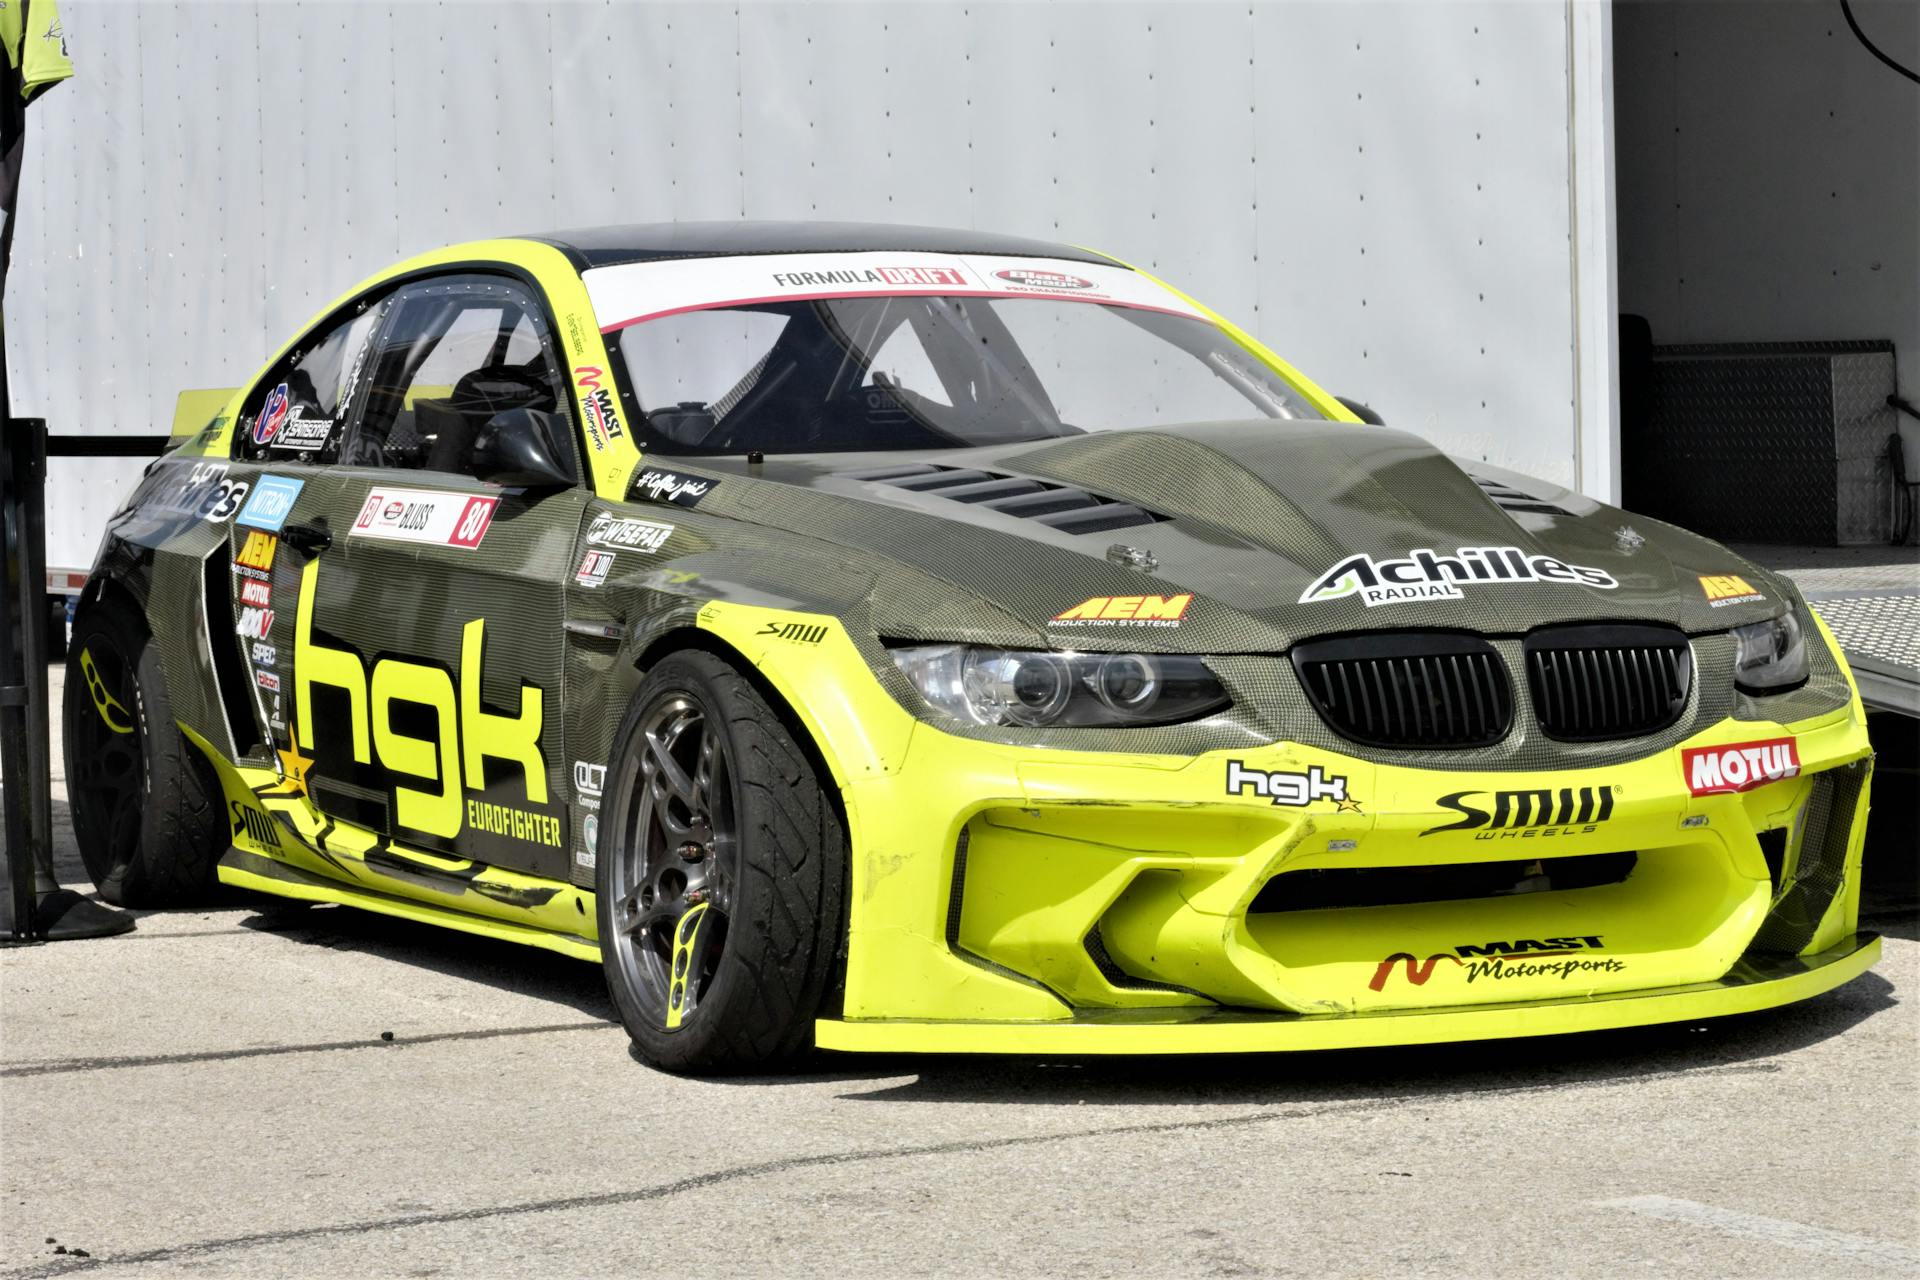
(930, 369)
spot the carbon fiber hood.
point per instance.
(1278, 531)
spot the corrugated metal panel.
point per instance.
(1378, 190)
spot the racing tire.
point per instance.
(720, 874)
(145, 805)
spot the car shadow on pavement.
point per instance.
(1739, 1044)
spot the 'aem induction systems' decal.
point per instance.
(422, 515)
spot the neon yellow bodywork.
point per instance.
(610, 462)
(1152, 854)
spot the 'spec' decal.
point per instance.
(1428, 575)
(424, 515)
(1739, 766)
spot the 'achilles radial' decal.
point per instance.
(1430, 575)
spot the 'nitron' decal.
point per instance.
(1429, 575)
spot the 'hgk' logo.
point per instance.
(465, 734)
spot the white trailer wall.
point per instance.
(1386, 193)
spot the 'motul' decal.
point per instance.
(1739, 766)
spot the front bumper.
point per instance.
(1756, 983)
(1014, 899)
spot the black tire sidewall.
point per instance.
(731, 1029)
(181, 828)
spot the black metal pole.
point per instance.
(15, 763)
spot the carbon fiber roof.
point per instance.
(653, 241)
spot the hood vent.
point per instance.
(1058, 506)
(1510, 499)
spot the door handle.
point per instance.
(310, 539)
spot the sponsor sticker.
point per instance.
(670, 486)
(588, 781)
(1739, 766)
(594, 567)
(255, 557)
(254, 592)
(268, 680)
(272, 416)
(1537, 812)
(602, 425)
(1728, 588)
(271, 503)
(590, 832)
(906, 277)
(425, 515)
(225, 499)
(1118, 611)
(1033, 278)
(254, 623)
(1562, 958)
(1429, 575)
(798, 632)
(609, 530)
(304, 435)
(265, 655)
(1290, 789)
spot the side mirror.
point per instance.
(517, 448)
(1362, 412)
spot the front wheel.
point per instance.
(721, 874)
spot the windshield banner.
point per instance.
(633, 292)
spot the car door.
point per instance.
(426, 652)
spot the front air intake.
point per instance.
(1592, 683)
(1064, 507)
(1408, 689)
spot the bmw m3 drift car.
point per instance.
(895, 639)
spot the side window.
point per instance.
(455, 353)
(297, 413)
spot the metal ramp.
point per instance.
(1870, 597)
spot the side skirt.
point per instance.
(281, 844)
(245, 870)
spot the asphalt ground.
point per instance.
(217, 1094)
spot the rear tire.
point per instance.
(145, 805)
(721, 874)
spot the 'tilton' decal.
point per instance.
(1537, 812)
(425, 515)
(1739, 766)
(1429, 575)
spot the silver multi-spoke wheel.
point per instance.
(722, 873)
(675, 859)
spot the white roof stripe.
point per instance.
(637, 291)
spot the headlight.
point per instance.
(1045, 690)
(1770, 656)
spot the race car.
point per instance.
(897, 639)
